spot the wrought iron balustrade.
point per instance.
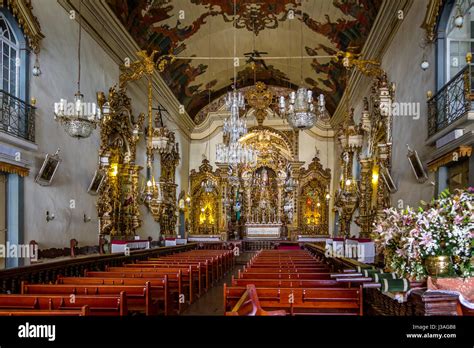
(451, 102)
(17, 118)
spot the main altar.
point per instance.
(275, 198)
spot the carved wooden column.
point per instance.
(365, 218)
(383, 195)
(295, 169)
(224, 189)
(281, 184)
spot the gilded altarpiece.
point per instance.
(206, 206)
(375, 180)
(117, 205)
(313, 208)
(268, 210)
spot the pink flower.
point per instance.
(415, 232)
(427, 240)
(401, 252)
(458, 219)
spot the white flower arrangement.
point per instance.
(443, 228)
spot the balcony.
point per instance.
(17, 118)
(452, 106)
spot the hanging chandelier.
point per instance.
(234, 126)
(79, 119)
(234, 152)
(300, 109)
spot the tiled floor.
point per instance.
(212, 302)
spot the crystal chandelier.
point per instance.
(234, 127)
(234, 152)
(79, 119)
(300, 109)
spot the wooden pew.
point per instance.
(223, 259)
(217, 266)
(213, 264)
(138, 297)
(84, 311)
(293, 275)
(176, 285)
(277, 268)
(98, 305)
(289, 283)
(202, 270)
(189, 277)
(308, 301)
(158, 287)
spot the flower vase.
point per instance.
(438, 266)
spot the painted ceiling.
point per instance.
(279, 28)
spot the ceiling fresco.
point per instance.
(273, 28)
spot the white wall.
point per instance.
(58, 62)
(402, 63)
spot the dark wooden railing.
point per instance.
(10, 279)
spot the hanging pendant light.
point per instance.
(234, 152)
(36, 71)
(459, 19)
(79, 119)
(299, 107)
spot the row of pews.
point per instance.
(292, 282)
(157, 286)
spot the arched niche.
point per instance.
(206, 207)
(313, 207)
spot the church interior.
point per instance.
(236, 158)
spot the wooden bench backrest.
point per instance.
(291, 283)
(138, 296)
(159, 275)
(300, 300)
(249, 305)
(285, 270)
(49, 289)
(252, 275)
(98, 305)
(154, 282)
(185, 270)
(84, 311)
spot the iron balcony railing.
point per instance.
(451, 102)
(17, 118)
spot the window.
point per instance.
(460, 41)
(9, 58)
